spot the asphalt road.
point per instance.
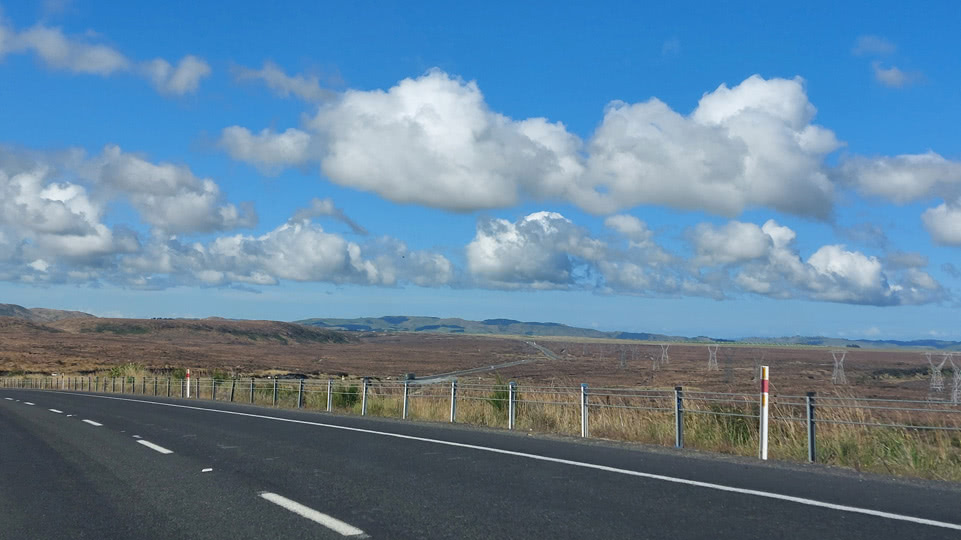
(64, 476)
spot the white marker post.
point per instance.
(764, 409)
(188, 382)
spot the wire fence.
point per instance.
(811, 427)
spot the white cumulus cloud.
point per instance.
(268, 150)
(433, 140)
(944, 223)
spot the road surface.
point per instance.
(78, 465)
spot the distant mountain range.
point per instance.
(401, 323)
(40, 315)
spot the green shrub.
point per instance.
(346, 397)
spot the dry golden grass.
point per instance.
(934, 454)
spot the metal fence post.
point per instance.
(275, 391)
(363, 399)
(406, 399)
(511, 404)
(213, 389)
(453, 401)
(678, 417)
(300, 395)
(143, 385)
(584, 430)
(330, 395)
(812, 448)
(233, 383)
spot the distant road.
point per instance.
(451, 375)
(89, 466)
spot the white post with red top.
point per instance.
(765, 403)
(188, 382)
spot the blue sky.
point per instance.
(693, 168)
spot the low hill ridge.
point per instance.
(403, 323)
(40, 315)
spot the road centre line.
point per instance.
(332, 523)
(28, 403)
(156, 447)
(8, 398)
(55, 410)
(650, 476)
(92, 423)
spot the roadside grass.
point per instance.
(730, 428)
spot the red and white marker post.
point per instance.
(188, 382)
(765, 402)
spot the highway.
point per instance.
(85, 465)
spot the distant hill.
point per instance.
(401, 323)
(218, 330)
(40, 315)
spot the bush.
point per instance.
(499, 397)
(346, 397)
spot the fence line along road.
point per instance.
(634, 414)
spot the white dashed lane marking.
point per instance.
(92, 423)
(332, 523)
(156, 447)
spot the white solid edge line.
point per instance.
(332, 523)
(156, 447)
(55, 410)
(92, 423)
(651, 476)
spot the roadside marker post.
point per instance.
(188, 383)
(300, 395)
(251, 390)
(275, 391)
(812, 448)
(678, 417)
(453, 401)
(511, 404)
(363, 399)
(584, 430)
(406, 398)
(765, 405)
(330, 395)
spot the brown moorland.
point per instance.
(257, 348)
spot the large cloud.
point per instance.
(295, 251)
(45, 220)
(541, 250)
(434, 141)
(168, 196)
(545, 250)
(913, 177)
(765, 261)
